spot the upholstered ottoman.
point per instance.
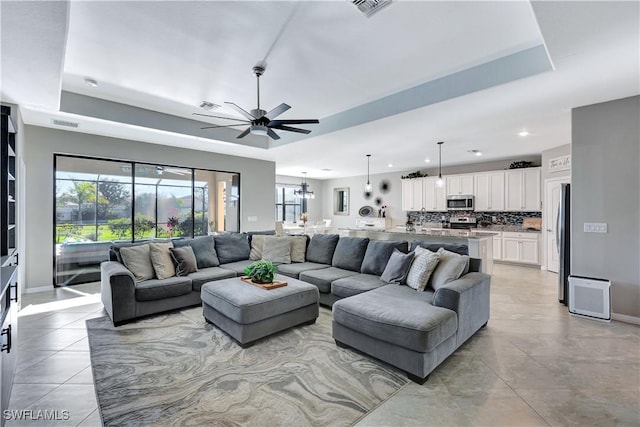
(248, 313)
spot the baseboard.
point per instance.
(38, 289)
(625, 318)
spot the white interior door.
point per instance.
(553, 193)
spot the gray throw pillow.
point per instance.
(450, 268)
(377, 255)
(349, 253)
(257, 243)
(162, 260)
(423, 265)
(114, 250)
(276, 249)
(137, 259)
(205, 251)
(397, 267)
(232, 247)
(185, 260)
(321, 248)
(298, 247)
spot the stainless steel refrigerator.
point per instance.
(563, 240)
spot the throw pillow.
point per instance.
(276, 249)
(459, 248)
(298, 247)
(138, 260)
(378, 254)
(349, 253)
(114, 250)
(162, 260)
(257, 243)
(205, 251)
(450, 268)
(185, 260)
(397, 267)
(321, 248)
(232, 247)
(423, 265)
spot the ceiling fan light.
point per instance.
(258, 130)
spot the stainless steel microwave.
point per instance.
(460, 203)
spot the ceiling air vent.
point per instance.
(369, 7)
(64, 123)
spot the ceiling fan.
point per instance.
(260, 121)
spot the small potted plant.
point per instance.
(261, 272)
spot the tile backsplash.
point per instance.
(503, 218)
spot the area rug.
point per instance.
(176, 369)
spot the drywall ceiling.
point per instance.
(470, 73)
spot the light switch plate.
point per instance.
(252, 219)
(595, 227)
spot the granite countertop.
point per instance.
(445, 232)
(489, 229)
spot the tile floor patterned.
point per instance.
(533, 365)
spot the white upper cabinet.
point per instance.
(522, 190)
(412, 194)
(459, 184)
(434, 197)
(489, 191)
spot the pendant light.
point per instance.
(303, 192)
(440, 181)
(368, 188)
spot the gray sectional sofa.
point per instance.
(414, 331)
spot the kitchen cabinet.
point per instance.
(459, 184)
(412, 194)
(489, 191)
(434, 198)
(497, 246)
(521, 247)
(522, 190)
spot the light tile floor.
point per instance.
(533, 365)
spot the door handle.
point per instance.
(6, 347)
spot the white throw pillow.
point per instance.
(450, 268)
(423, 265)
(162, 260)
(138, 260)
(257, 244)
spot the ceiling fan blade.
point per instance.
(220, 117)
(224, 126)
(292, 122)
(277, 111)
(290, 129)
(272, 134)
(241, 111)
(244, 133)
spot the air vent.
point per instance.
(64, 123)
(369, 7)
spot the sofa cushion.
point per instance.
(210, 274)
(458, 248)
(114, 250)
(398, 315)
(322, 278)
(185, 260)
(349, 253)
(355, 285)
(277, 250)
(137, 259)
(450, 268)
(397, 268)
(298, 247)
(424, 262)
(162, 260)
(232, 247)
(237, 266)
(252, 234)
(151, 290)
(294, 270)
(205, 251)
(321, 248)
(378, 254)
(257, 244)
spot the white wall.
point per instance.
(605, 187)
(315, 205)
(257, 183)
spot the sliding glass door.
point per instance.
(99, 202)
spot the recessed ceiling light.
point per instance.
(476, 152)
(206, 105)
(90, 82)
(326, 170)
(427, 160)
(390, 165)
(523, 133)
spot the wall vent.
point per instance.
(64, 123)
(369, 7)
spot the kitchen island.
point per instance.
(480, 243)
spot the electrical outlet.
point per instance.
(595, 227)
(252, 219)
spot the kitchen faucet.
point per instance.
(423, 216)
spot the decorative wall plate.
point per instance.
(366, 211)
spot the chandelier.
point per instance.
(303, 192)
